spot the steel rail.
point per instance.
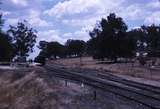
(111, 86)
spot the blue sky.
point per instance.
(59, 20)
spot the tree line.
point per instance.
(110, 39)
(54, 50)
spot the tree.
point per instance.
(110, 39)
(152, 34)
(6, 47)
(41, 58)
(24, 38)
(54, 49)
(49, 50)
(91, 46)
(42, 45)
(1, 22)
(75, 47)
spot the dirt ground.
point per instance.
(33, 88)
(129, 69)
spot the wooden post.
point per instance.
(66, 83)
(80, 61)
(94, 95)
(150, 73)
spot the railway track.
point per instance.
(106, 75)
(140, 93)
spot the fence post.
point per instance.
(66, 83)
(94, 95)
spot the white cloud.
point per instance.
(35, 20)
(148, 12)
(72, 7)
(134, 12)
(33, 17)
(12, 21)
(79, 16)
(99, 8)
(136, 27)
(80, 34)
(154, 4)
(79, 22)
(153, 18)
(20, 2)
(5, 13)
(50, 35)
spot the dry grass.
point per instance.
(24, 90)
(35, 89)
(130, 69)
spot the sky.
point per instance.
(59, 20)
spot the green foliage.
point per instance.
(153, 34)
(6, 47)
(152, 39)
(42, 45)
(75, 47)
(1, 22)
(54, 49)
(24, 38)
(41, 58)
(109, 39)
(50, 50)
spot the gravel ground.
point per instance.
(34, 89)
(78, 96)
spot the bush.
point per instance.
(40, 59)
